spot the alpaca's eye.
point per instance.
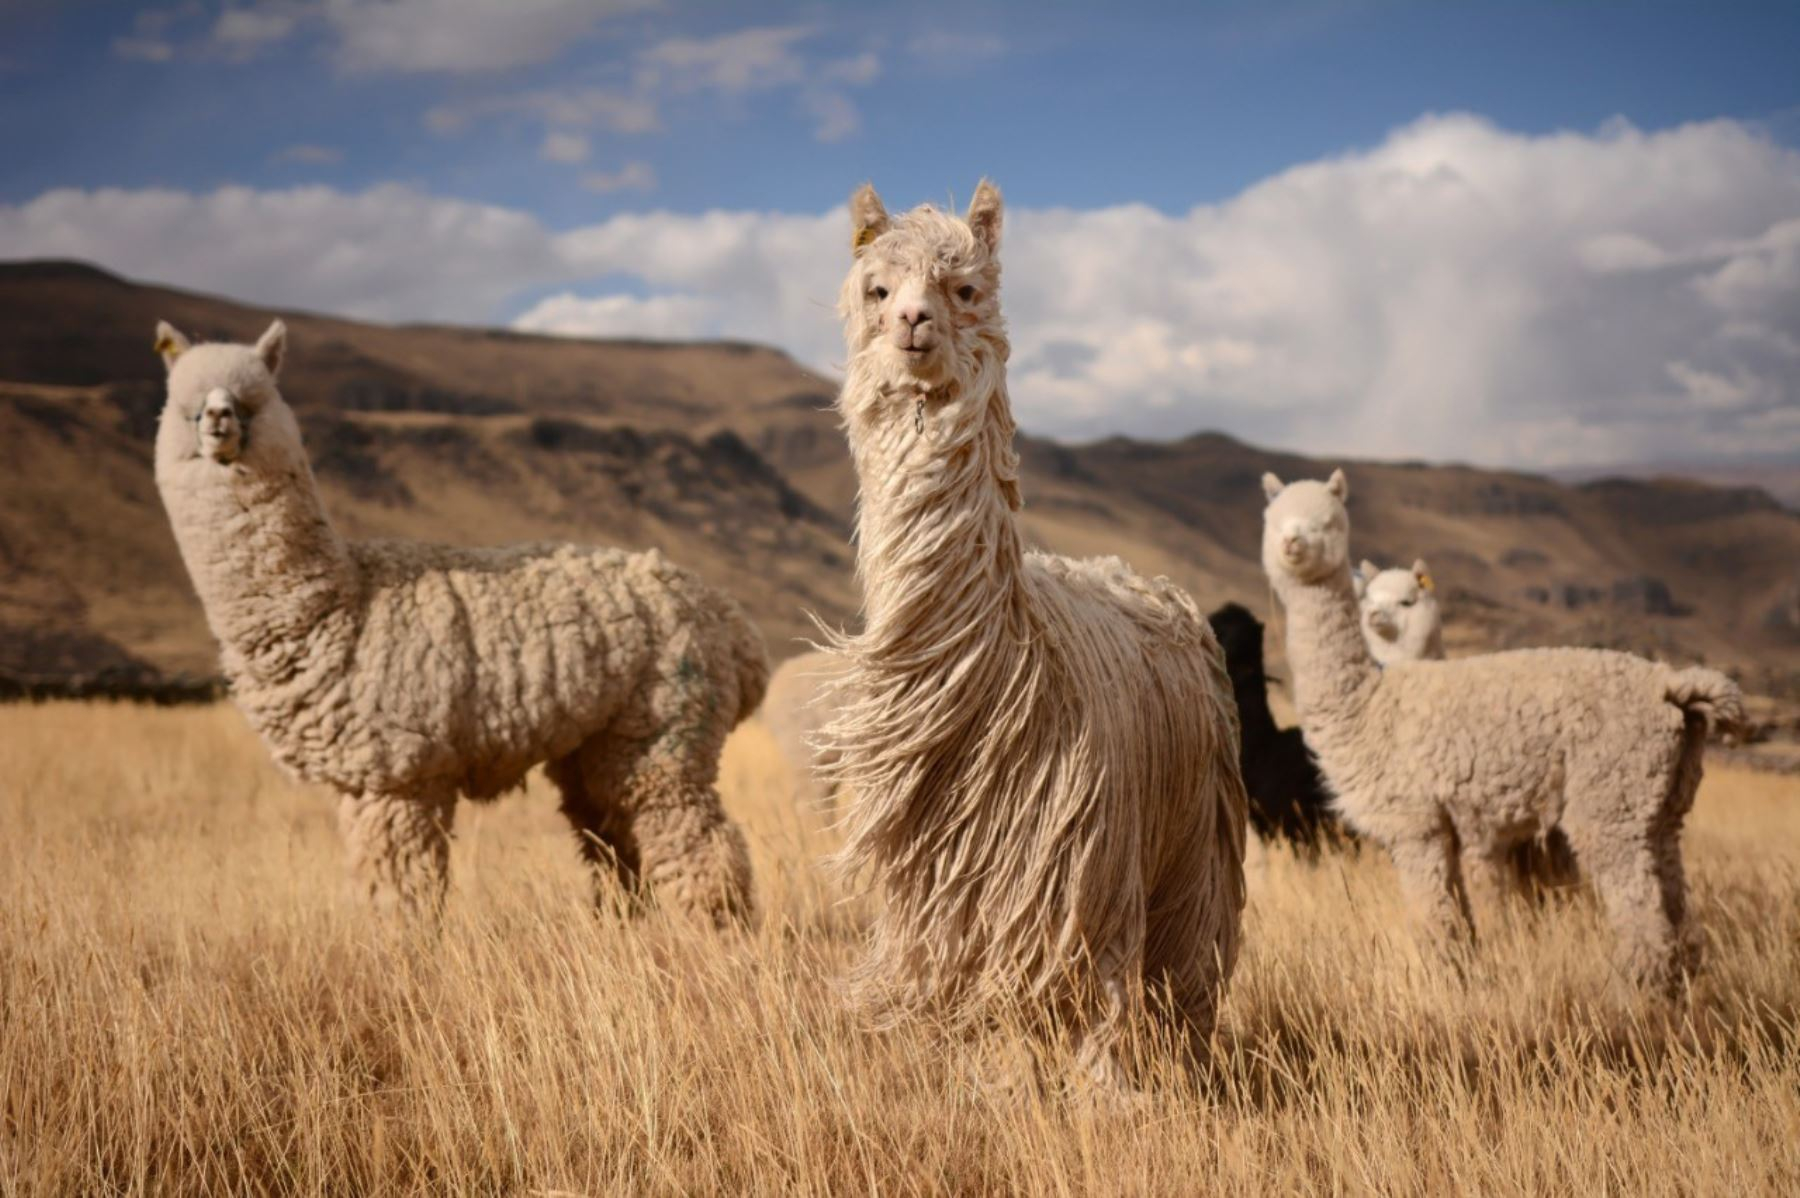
(1409, 601)
(967, 292)
(881, 293)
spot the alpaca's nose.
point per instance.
(915, 315)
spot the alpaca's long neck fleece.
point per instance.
(269, 568)
(1333, 671)
(938, 546)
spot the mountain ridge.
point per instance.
(728, 455)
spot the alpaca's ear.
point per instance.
(1423, 575)
(1359, 580)
(271, 347)
(868, 219)
(170, 343)
(1338, 485)
(984, 215)
(1271, 486)
(1368, 569)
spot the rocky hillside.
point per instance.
(728, 457)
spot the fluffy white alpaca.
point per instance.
(1400, 613)
(1450, 764)
(1402, 621)
(1042, 751)
(796, 710)
(402, 674)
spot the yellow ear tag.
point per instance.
(166, 345)
(864, 236)
(1425, 581)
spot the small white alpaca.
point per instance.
(1402, 621)
(1450, 764)
(1400, 613)
(1042, 751)
(403, 674)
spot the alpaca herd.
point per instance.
(1042, 767)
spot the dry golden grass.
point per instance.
(188, 1003)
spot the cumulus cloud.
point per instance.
(153, 33)
(459, 35)
(1456, 291)
(729, 67)
(308, 155)
(563, 147)
(573, 107)
(384, 36)
(668, 317)
(633, 176)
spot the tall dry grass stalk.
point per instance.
(189, 1003)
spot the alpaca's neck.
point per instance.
(938, 547)
(1333, 671)
(268, 566)
(1434, 644)
(1252, 694)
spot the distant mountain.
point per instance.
(1779, 476)
(729, 457)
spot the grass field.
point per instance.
(188, 1003)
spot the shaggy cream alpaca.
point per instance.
(402, 674)
(1400, 615)
(1447, 763)
(796, 710)
(1042, 752)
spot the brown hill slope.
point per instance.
(728, 457)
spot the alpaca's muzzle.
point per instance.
(220, 427)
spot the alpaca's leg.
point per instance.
(602, 832)
(655, 814)
(1545, 865)
(1626, 871)
(694, 859)
(1100, 1051)
(1666, 842)
(399, 848)
(1493, 876)
(1623, 864)
(1431, 881)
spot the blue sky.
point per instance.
(641, 167)
(1071, 105)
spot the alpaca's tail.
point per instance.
(1708, 696)
(751, 658)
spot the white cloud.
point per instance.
(633, 176)
(951, 47)
(459, 35)
(563, 147)
(386, 36)
(1456, 291)
(744, 61)
(309, 155)
(242, 33)
(835, 117)
(668, 317)
(729, 68)
(577, 107)
(141, 48)
(152, 36)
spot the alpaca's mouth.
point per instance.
(1384, 626)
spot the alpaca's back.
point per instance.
(1150, 700)
(1510, 737)
(459, 653)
